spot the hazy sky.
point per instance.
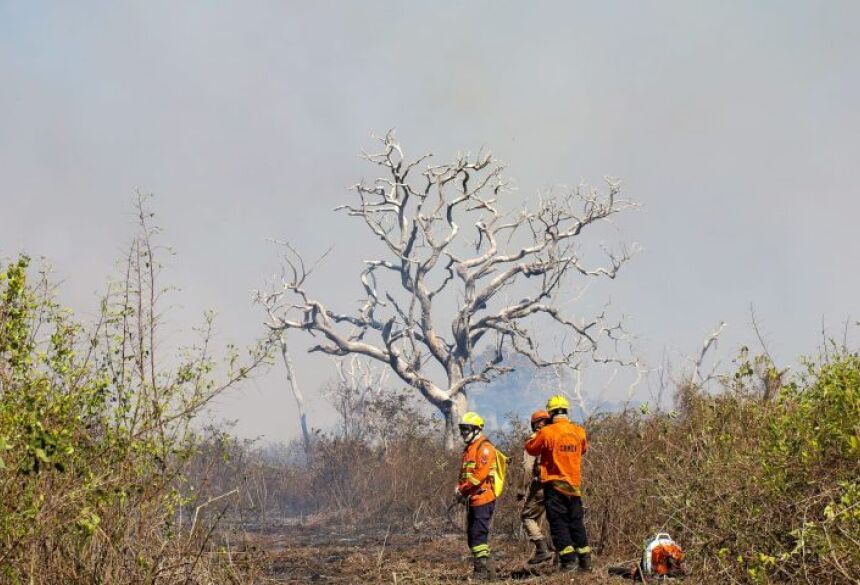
(736, 124)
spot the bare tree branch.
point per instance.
(449, 230)
(696, 377)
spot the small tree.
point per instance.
(454, 253)
(97, 433)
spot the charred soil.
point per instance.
(379, 555)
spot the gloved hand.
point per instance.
(459, 497)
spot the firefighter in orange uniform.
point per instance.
(476, 488)
(561, 446)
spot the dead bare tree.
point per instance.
(420, 212)
(370, 409)
(297, 391)
(696, 377)
(358, 385)
(689, 386)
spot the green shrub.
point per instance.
(759, 485)
(95, 435)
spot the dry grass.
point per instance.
(350, 555)
(716, 474)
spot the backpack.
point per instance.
(499, 471)
(657, 552)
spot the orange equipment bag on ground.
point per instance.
(662, 558)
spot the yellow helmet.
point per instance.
(557, 402)
(472, 419)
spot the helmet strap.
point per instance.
(469, 438)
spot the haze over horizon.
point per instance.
(735, 125)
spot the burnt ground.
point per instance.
(323, 555)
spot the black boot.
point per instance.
(541, 553)
(568, 563)
(585, 562)
(483, 570)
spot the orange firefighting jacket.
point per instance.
(560, 446)
(479, 457)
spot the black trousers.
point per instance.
(566, 521)
(478, 529)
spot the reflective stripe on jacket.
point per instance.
(479, 458)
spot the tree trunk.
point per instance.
(297, 394)
(453, 410)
